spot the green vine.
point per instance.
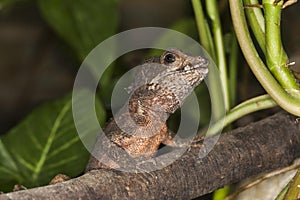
(274, 76)
(276, 57)
(288, 102)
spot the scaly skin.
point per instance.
(140, 127)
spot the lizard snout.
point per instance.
(203, 62)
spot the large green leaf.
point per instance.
(83, 24)
(44, 144)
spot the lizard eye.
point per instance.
(169, 58)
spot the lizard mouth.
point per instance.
(203, 64)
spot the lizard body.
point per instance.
(140, 127)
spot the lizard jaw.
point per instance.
(190, 68)
(198, 64)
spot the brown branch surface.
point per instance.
(259, 147)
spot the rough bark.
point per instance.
(259, 147)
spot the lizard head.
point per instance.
(191, 68)
(167, 80)
(177, 76)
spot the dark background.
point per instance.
(37, 66)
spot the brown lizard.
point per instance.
(140, 127)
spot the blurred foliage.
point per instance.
(6, 3)
(44, 144)
(83, 24)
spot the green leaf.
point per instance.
(221, 193)
(44, 144)
(293, 191)
(82, 24)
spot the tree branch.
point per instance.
(259, 147)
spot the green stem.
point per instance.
(207, 42)
(267, 33)
(256, 22)
(213, 13)
(286, 101)
(247, 107)
(203, 29)
(233, 58)
(275, 54)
